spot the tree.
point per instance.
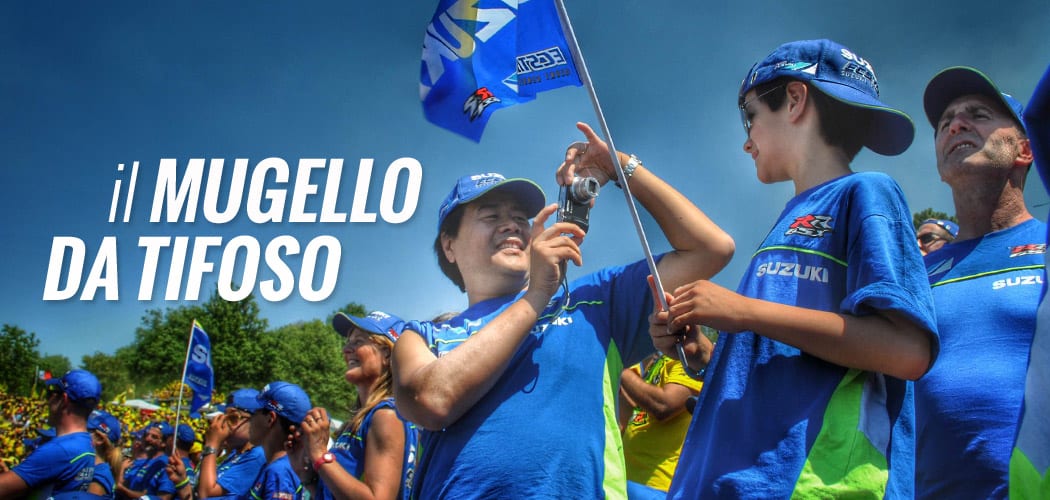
(57, 364)
(929, 213)
(236, 332)
(111, 371)
(19, 358)
(309, 354)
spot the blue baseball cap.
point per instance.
(166, 430)
(285, 399)
(141, 432)
(80, 385)
(947, 225)
(957, 81)
(470, 187)
(842, 75)
(107, 423)
(185, 434)
(244, 399)
(376, 323)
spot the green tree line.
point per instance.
(245, 353)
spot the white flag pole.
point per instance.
(182, 386)
(585, 77)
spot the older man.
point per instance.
(986, 287)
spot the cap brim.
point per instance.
(955, 82)
(891, 131)
(529, 193)
(342, 323)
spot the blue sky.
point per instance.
(88, 87)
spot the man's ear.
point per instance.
(1024, 153)
(446, 247)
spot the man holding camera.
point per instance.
(524, 354)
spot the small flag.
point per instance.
(480, 56)
(199, 374)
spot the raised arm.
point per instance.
(701, 248)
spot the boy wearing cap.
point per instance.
(986, 285)
(235, 475)
(526, 353)
(933, 234)
(66, 463)
(283, 407)
(808, 392)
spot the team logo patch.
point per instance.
(1029, 249)
(477, 102)
(810, 225)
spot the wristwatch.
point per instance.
(327, 458)
(628, 170)
(208, 450)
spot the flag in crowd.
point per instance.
(199, 375)
(482, 56)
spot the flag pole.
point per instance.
(585, 77)
(182, 385)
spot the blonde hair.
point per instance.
(380, 390)
(108, 451)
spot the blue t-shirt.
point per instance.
(152, 477)
(773, 421)
(564, 376)
(104, 477)
(986, 291)
(1030, 464)
(63, 464)
(276, 481)
(237, 472)
(349, 451)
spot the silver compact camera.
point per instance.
(574, 202)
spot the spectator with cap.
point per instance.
(151, 477)
(65, 464)
(283, 407)
(138, 458)
(986, 285)
(180, 468)
(809, 389)
(533, 347)
(105, 432)
(933, 234)
(374, 453)
(233, 474)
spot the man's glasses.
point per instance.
(928, 238)
(51, 391)
(745, 115)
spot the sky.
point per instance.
(89, 89)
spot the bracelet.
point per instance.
(628, 170)
(182, 483)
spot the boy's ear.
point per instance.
(797, 99)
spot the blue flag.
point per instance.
(199, 374)
(483, 55)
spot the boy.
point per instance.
(808, 389)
